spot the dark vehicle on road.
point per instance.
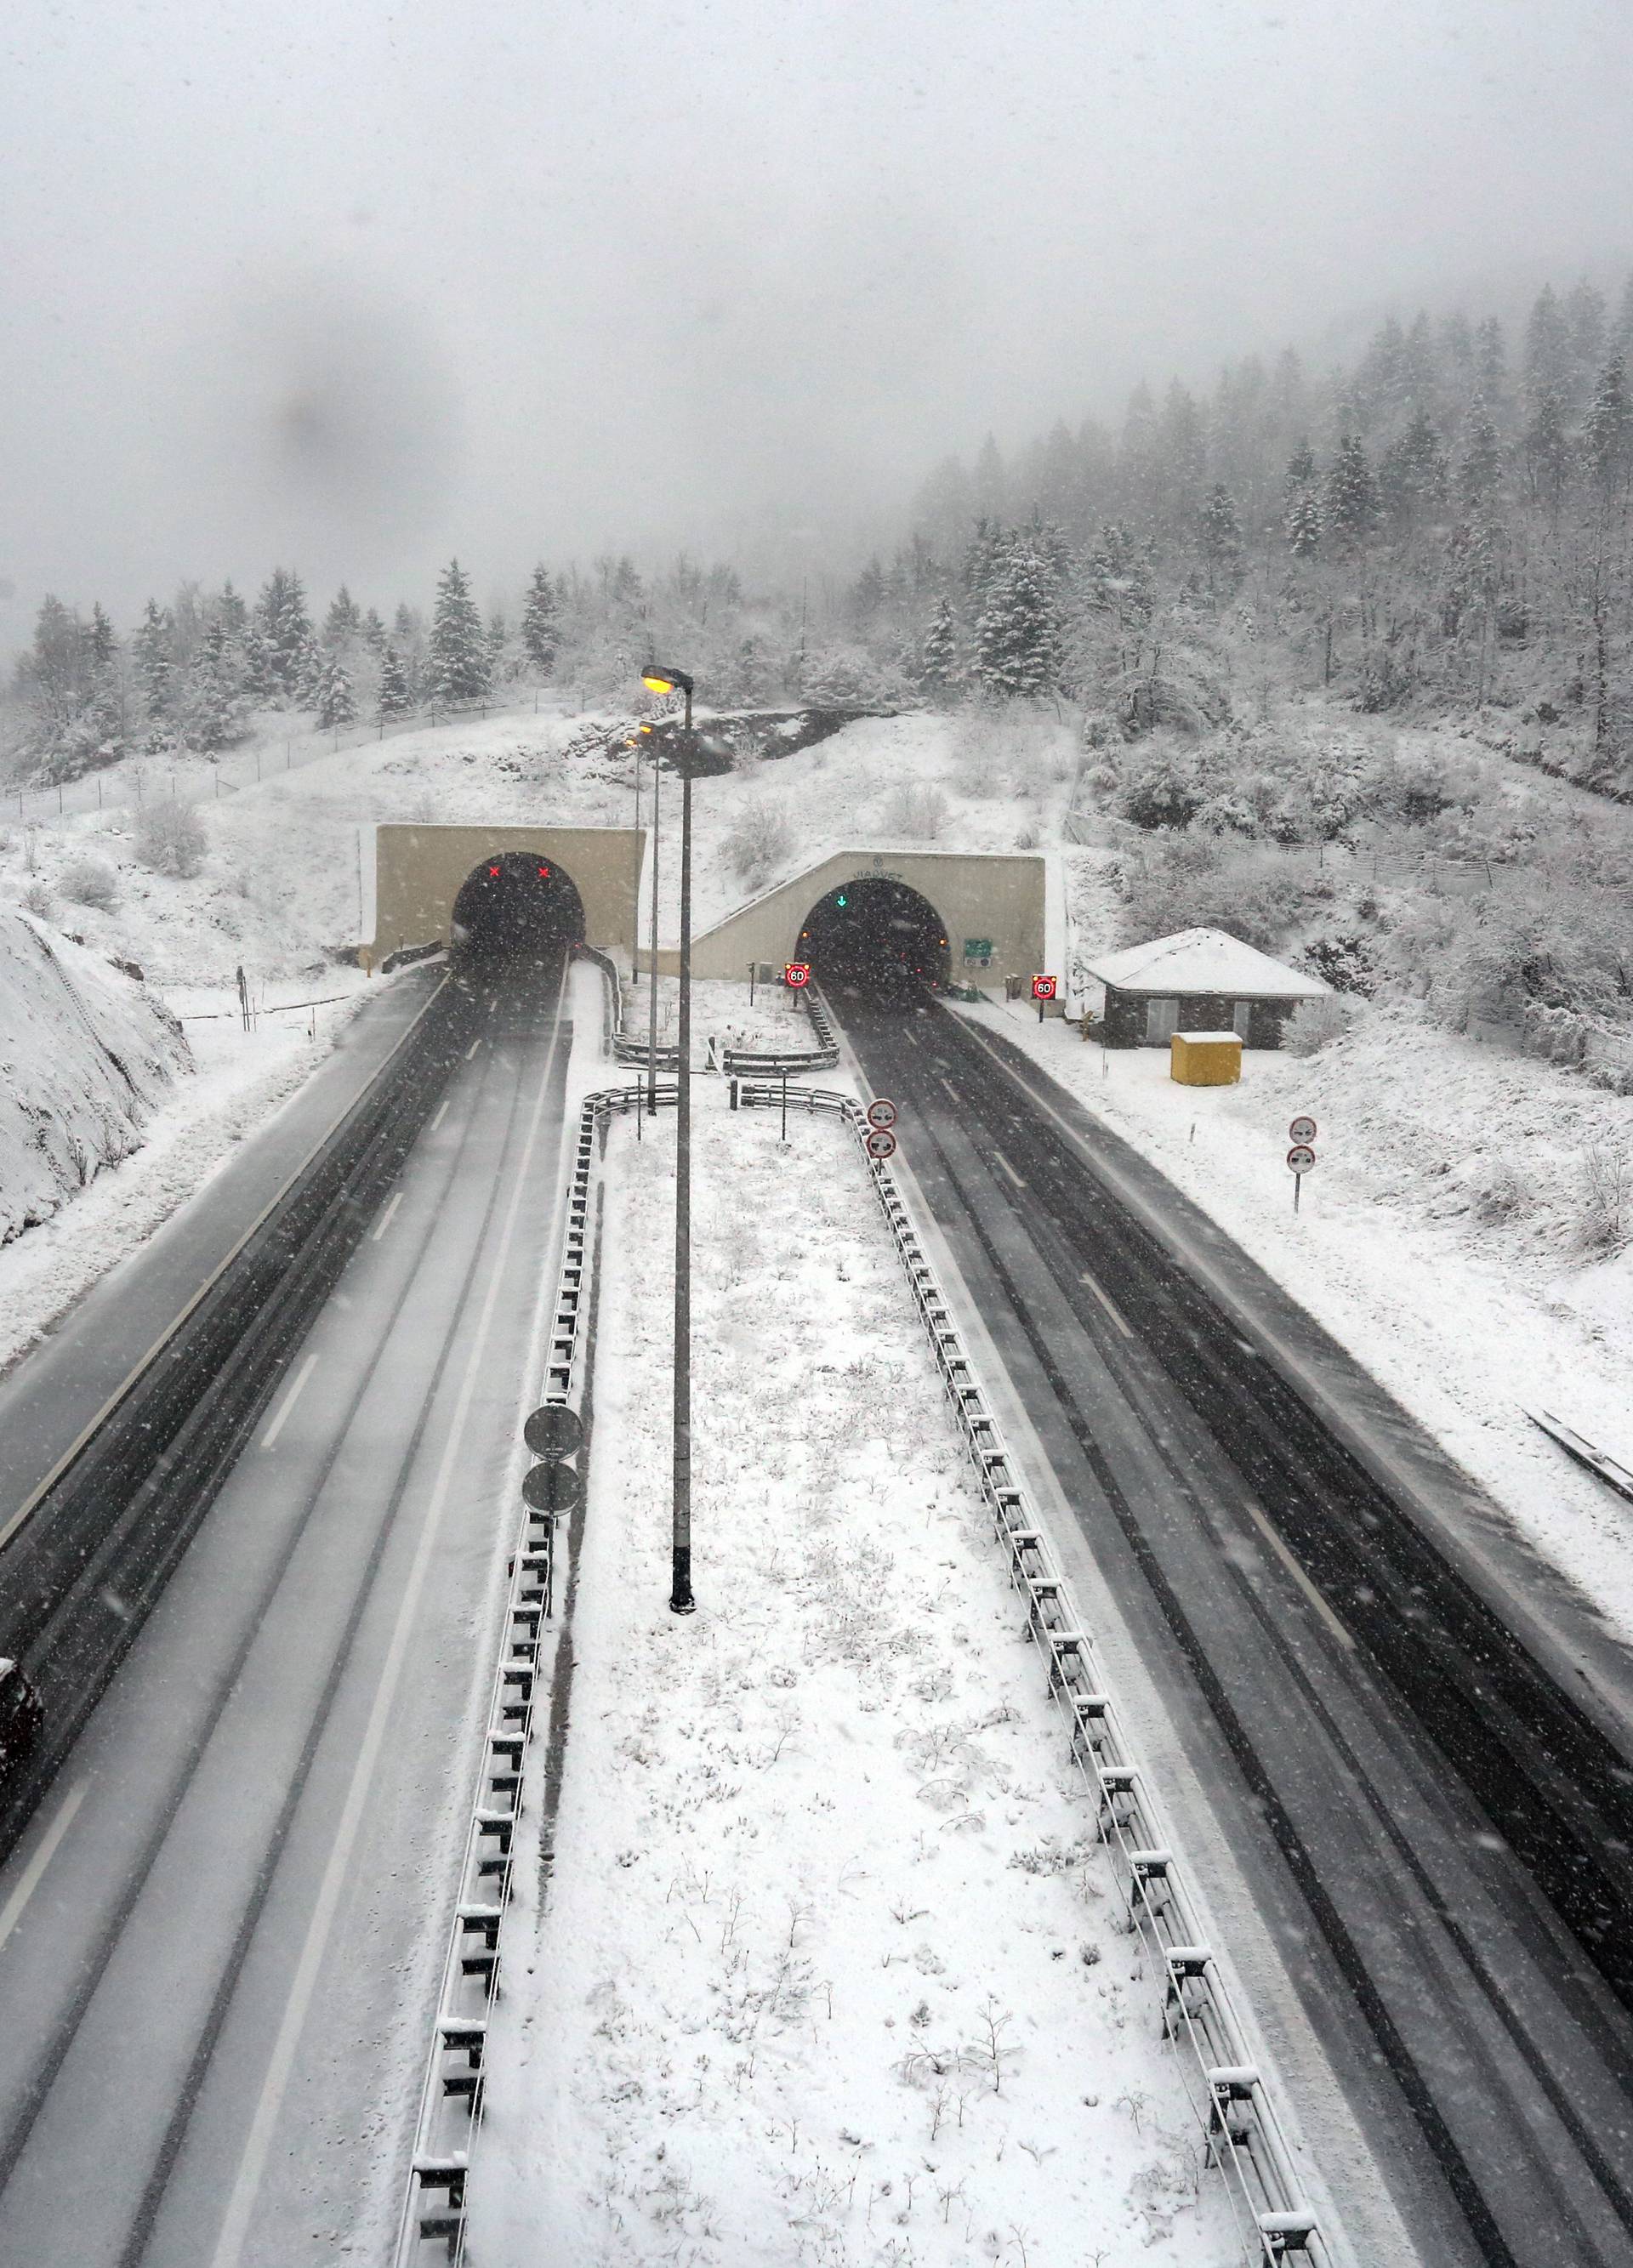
(21, 1716)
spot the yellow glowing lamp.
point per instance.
(654, 683)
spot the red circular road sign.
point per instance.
(1302, 1130)
(1301, 1157)
(881, 1144)
(797, 973)
(553, 1487)
(1043, 988)
(882, 1112)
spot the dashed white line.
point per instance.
(1301, 1579)
(1109, 1304)
(13, 1912)
(257, 2146)
(472, 1050)
(289, 1401)
(384, 1222)
(1000, 1160)
(442, 1112)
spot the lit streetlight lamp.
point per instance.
(658, 680)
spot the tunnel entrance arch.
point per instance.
(517, 905)
(875, 935)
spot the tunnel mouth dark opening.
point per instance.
(517, 906)
(875, 936)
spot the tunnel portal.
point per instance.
(517, 905)
(876, 935)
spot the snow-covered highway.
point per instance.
(219, 1931)
(1277, 1611)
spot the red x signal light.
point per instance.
(494, 871)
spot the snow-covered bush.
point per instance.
(758, 844)
(89, 882)
(1315, 1024)
(37, 900)
(1606, 1197)
(1193, 881)
(999, 746)
(170, 838)
(913, 812)
(1501, 1191)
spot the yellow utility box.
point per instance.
(1205, 1058)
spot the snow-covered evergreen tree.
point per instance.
(938, 664)
(336, 703)
(397, 695)
(1301, 504)
(153, 653)
(1018, 636)
(1607, 429)
(344, 620)
(539, 624)
(373, 632)
(1350, 507)
(1219, 532)
(458, 660)
(209, 716)
(285, 629)
(1481, 463)
(101, 639)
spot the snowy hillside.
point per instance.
(85, 1053)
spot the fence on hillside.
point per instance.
(186, 777)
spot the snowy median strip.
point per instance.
(832, 1961)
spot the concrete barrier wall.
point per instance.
(420, 871)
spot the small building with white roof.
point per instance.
(1199, 980)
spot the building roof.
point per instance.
(1204, 961)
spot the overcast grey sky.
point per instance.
(352, 286)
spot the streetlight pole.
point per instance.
(681, 1598)
(651, 948)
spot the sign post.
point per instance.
(1044, 989)
(1301, 1157)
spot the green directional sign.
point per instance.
(978, 948)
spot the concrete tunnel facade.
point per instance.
(412, 876)
(992, 904)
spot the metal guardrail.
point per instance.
(451, 2098)
(773, 1062)
(1235, 2108)
(1598, 1462)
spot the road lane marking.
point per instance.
(442, 1112)
(13, 1912)
(27, 1509)
(1000, 1160)
(384, 1222)
(472, 1050)
(290, 1399)
(949, 1090)
(1301, 1579)
(1109, 1304)
(258, 2143)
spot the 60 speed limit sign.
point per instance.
(881, 1144)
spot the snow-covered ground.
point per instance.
(1436, 1239)
(85, 1053)
(831, 1968)
(1446, 1161)
(238, 1079)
